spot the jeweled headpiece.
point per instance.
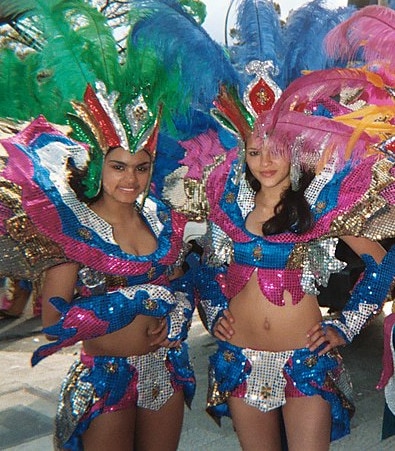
(239, 116)
(104, 122)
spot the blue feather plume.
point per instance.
(304, 34)
(183, 49)
(259, 36)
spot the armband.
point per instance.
(368, 296)
(95, 316)
(180, 318)
(211, 296)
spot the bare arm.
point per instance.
(59, 281)
(365, 246)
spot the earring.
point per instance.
(295, 171)
(295, 174)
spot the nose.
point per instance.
(131, 177)
(266, 157)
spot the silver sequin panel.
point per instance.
(154, 385)
(266, 383)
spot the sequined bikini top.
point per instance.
(342, 203)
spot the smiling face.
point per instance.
(125, 175)
(270, 169)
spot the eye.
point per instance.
(253, 152)
(143, 167)
(118, 167)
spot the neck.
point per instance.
(269, 197)
(114, 212)
(264, 200)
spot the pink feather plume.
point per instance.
(371, 29)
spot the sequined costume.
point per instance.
(296, 263)
(265, 379)
(113, 286)
(98, 384)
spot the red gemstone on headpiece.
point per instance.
(262, 97)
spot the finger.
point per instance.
(315, 329)
(222, 334)
(170, 344)
(316, 340)
(161, 326)
(229, 316)
(159, 338)
(224, 328)
(174, 344)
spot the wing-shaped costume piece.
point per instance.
(55, 224)
(45, 224)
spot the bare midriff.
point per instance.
(260, 324)
(134, 339)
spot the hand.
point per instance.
(223, 329)
(170, 344)
(159, 334)
(320, 334)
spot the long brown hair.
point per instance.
(292, 213)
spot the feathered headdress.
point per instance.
(335, 112)
(294, 45)
(104, 122)
(274, 54)
(326, 112)
(169, 45)
(260, 96)
(367, 36)
(75, 74)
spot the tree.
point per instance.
(361, 3)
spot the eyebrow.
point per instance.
(116, 161)
(125, 164)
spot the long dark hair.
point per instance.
(292, 213)
(76, 176)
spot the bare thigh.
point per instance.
(256, 430)
(113, 430)
(160, 430)
(307, 423)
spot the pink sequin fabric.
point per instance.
(356, 200)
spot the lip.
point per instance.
(268, 174)
(128, 190)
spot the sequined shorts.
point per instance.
(103, 384)
(266, 379)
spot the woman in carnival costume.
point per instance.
(315, 165)
(81, 209)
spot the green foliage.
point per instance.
(196, 8)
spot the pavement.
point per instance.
(28, 396)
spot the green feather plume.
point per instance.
(74, 47)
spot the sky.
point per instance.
(216, 12)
